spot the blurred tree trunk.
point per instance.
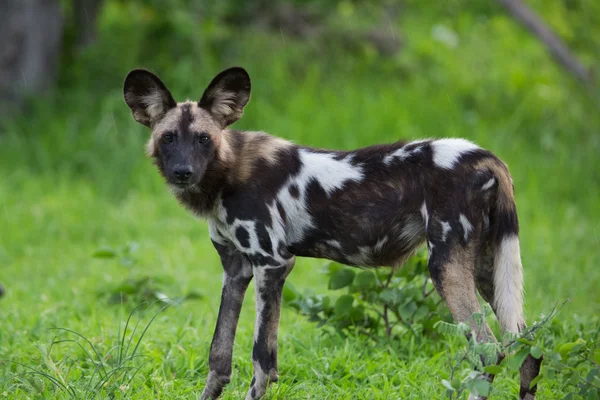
(86, 16)
(30, 40)
(557, 48)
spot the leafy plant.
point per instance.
(378, 303)
(384, 304)
(575, 364)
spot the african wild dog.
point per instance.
(268, 200)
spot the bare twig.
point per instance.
(425, 293)
(555, 46)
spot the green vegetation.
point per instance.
(75, 181)
(378, 303)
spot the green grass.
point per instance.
(74, 179)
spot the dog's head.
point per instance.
(187, 137)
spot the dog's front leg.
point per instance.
(269, 286)
(237, 274)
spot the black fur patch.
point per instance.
(505, 223)
(283, 251)
(263, 238)
(260, 260)
(281, 211)
(242, 236)
(186, 119)
(294, 192)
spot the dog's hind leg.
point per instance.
(453, 244)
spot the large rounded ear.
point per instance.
(146, 95)
(227, 95)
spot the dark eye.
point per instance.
(203, 138)
(168, 137)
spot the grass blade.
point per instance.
(87, 340)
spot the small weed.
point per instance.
(104, 370)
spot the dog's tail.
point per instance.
(507, 298)
(508, 270)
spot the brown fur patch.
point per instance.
(168, 123)
(256, 146)
(458, 288)
(506, 199)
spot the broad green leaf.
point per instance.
(492, 369)
(365, 280)
(341, 278)
(525, 341)
(482, 386)
(593, 394)
(421, 313)
(391, 296)
(566, 348)
(515, 361)
(536, 352)
(407, 310)
(357, 314)
(447, 385)
(456, 383)
(332, 267)
(343, 305)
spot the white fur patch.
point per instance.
(333, 243)
(488, 184)
(275, 231)
(214, 233)
(446, 152)
(467, 227)
(295, 210)
(425, 214)
(445, 229)
(508, 284)
(224, 103)
(402, 153)
(154, 102)
(366, 254)
(331, 174)
(412, 231)
(429, 249)
(380, 243)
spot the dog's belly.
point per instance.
(370, 245)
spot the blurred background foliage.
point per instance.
(433, 68)
(336, 74)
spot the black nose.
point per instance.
(183, 173)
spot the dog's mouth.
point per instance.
(181, 186)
